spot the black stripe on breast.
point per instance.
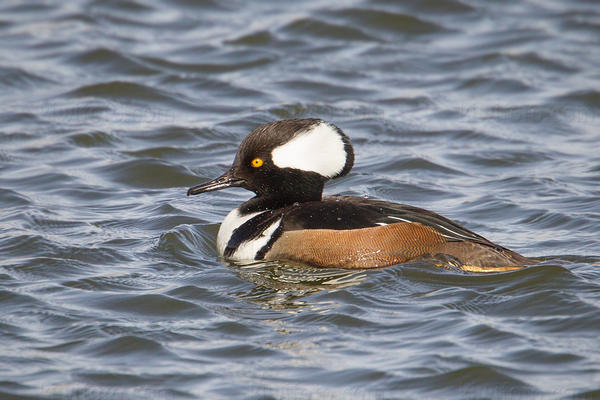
(260, 255)
(251, 229)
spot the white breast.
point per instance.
(231, 222)
(246, 250)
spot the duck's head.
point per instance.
(287, 161)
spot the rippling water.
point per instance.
(110, 286)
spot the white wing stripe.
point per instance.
(439, 226)
(399, 219)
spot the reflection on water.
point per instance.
(284, 286)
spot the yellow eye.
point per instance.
(257, 162)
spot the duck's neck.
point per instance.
(274, 201)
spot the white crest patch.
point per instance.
(320, 149)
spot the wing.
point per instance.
(347, 212)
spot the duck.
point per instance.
(286, 164)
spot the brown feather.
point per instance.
(386, 245)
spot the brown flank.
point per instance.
(386, 245)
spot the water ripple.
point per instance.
(107, 61)
(322, 30)
(388, 22)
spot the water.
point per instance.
(110, 286)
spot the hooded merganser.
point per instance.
(286, 164)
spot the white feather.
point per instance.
(319, 149)
(231, 222)
(247, 250)
(399, 219)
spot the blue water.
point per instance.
(110, 285)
